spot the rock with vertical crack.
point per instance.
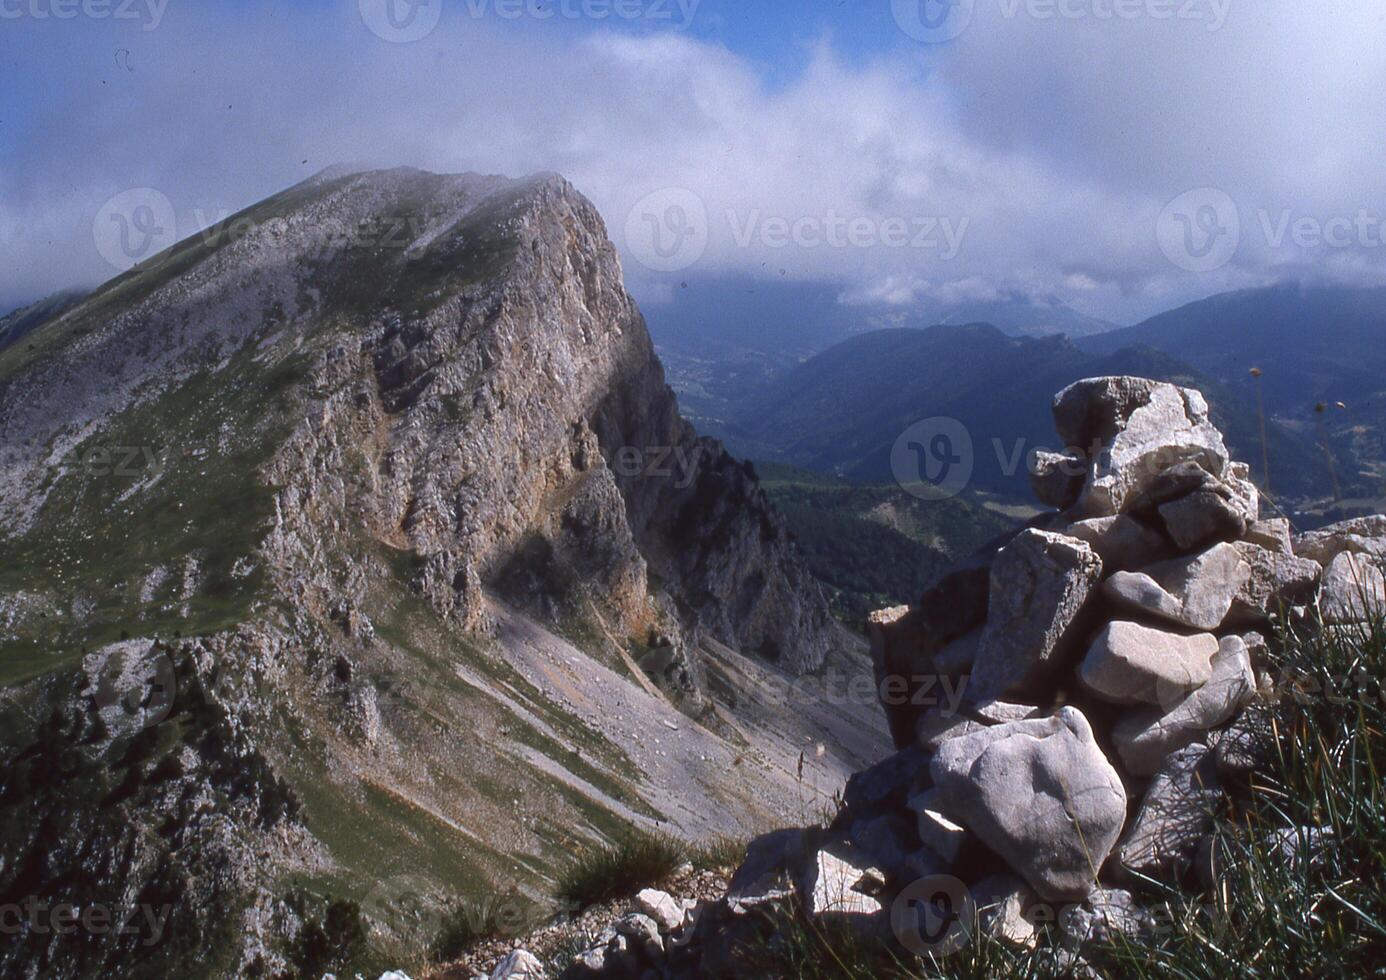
(1039, 585)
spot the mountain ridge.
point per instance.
(380, 542)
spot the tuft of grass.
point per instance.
(1278, 914)
(718, 854)
(470, 922)
(620, 869)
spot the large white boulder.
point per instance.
(1040, 794)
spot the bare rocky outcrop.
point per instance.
(1118, 630)
(422, 517)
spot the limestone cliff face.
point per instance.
(476, 388)
(359, 516)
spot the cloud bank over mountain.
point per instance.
(1003, 159)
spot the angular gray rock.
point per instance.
(1122, 542)
(1197, 507)
(1143, 428)
(1274, 535)
(887, 842)
(661, 907)
(1360, 536)
(1108, 915)
(938, 724)
(1040, 794)
(1057, 478)
(1003, 902)
(1039, 584)
(1278, 580)
(1133, 664)
(1096, 409)
(519, 965)
(1223, 510)
(766, 874)
(1354, 589)
(888, 784)
(1196, 592)
(642, 934)
(940, 835)
(1144, 740)
(958, 658)
(836, 881)
(1178, 810)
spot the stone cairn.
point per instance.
(1110, 659)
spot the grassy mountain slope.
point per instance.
(342, 470)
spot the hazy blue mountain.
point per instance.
(722, 337)
(843, 410)
(1313, 346)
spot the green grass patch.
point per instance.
(620, 869)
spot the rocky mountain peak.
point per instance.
(376, 491)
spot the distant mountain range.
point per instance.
(786, 371)
(843, 410)
(723, 337)
(1313, 346)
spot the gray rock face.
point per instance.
(886, 785)
(771, 860)
(886, 842)
(1057, 478)
(1108, 915)
(1097, 409)
(836, 882)
(1003, 902)
(1143, 428)
(520, 965)
(1123, 543)
(1178, 810)
(1144, 740)
(1196, 592)
(1134, 664)
(1219, 510)
(661, 907)
(1039, 793)
(1354, 589)
(1360, 536)
(1273, 535)
(1278, 581)
(959, 658)
(1039, 584)
(940, 835)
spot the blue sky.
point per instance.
(1121, 156)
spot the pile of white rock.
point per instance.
(1112, 661)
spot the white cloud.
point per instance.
(1031, 154)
